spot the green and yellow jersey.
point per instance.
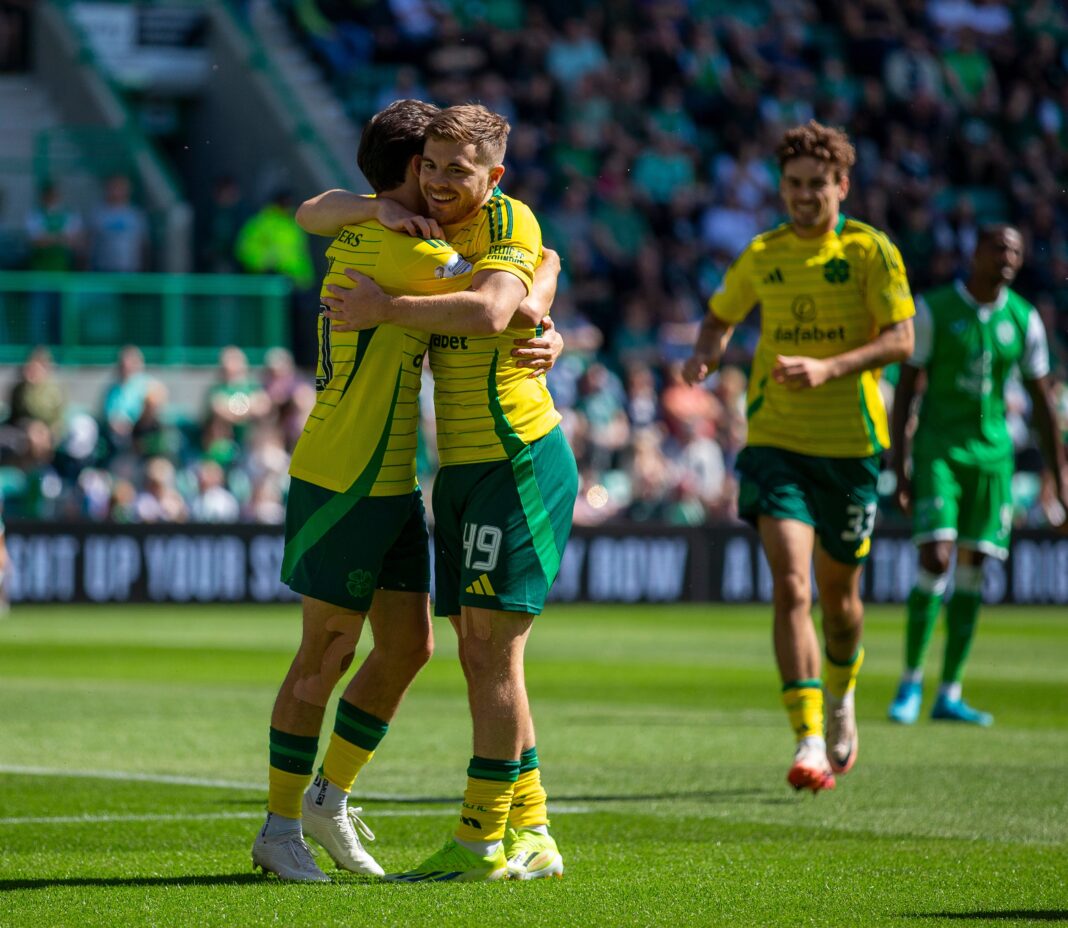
(488, 409)
(818, 297)
(361, 437)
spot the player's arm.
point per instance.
(535, 307)
(909, 384)
(1044, 417)
(541, 352)
(708, 350)
(892, 344)
(329, 212)
(484, 309)
(728, 306)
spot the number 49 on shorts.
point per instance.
(482, 546)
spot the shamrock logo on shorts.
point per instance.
(360, 583)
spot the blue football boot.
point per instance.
(905, 708)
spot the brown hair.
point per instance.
(472, 123)
(815, 140)
(390, 139)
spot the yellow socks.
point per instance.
(487, 799)
(842, 678)
(803, 700)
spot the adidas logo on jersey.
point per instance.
(775, 277)
(481, 587)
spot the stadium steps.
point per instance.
(324, 111)
(27, 111)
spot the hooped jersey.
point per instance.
(969, 350)
(818, 297)
(487, 409)
(362, 435)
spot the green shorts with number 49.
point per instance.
(837, 496)
(341, 548)
(956, 502)
(500, 528)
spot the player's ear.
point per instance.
(416, 164)
(495, 174)
(843, 186)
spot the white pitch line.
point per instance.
(170, 779)
(213, 816)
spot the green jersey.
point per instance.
(969, 350)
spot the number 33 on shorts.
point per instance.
(860, 520)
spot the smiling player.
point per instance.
(835, 307)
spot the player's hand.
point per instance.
(361, 306)
(800, 373)
(903, 494)
(696, 368)
(400, 219)
(539, 354)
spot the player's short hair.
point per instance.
(390, 139)
(473, 123)
(815, 140)
(990, 230)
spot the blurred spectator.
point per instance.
(37, 394)
(124, 399)
(213, 501)
(160, 500)
(225, 216)
(118, 230)
(56, 238)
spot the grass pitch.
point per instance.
(133, 751)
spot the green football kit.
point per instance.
(962, 452)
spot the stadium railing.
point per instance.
(174, 318)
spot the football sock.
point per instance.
(290, 772)
(487, 799)
(352, 744)
(841, 679)
(804, 706)
(924, 604)
(962, 613)
(529, 800)
(277, 825)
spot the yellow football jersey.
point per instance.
(486, 407)
(818, 297)
(361, 437)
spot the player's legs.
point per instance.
(924, 605)
(936, 499)
(789, 544)
(328, 642)
(843, 624)
(962, 614)
(403, 642)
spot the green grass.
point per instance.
(664, 750)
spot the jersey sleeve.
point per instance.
(435, 268)
(735, 297)
(515, 240)
(1035, 360)
(888, 296)
(924, 335)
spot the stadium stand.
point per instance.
(642, 135)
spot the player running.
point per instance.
(835, 307)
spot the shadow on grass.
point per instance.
(1033, 915)
(698, 795)
(214, 879)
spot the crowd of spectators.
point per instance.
(130, 455)
(643, 136)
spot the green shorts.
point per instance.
(837, 496)
(955, 502)
(501, 527)
(341, 548)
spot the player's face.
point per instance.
(453, 181)
(1000, 256)
(812, 194)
